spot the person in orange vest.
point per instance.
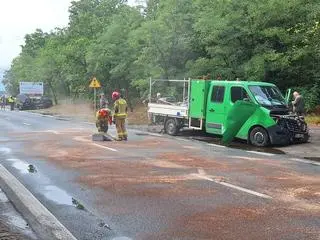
(103, 120)
(120, 115)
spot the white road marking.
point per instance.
(53, 131)
(216, 145)
(47, 131)
(190, 147)
(104, 147)
(305, 161)
(88, 123)
(246, 158)
(27, 124)
(286, 159)
(202, 175)
(25, 201)
(183, 140)
(155, 134)
(81, 139)
(261, 153)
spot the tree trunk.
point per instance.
(53, 93)
(128, 99)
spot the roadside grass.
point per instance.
(139, 116)
(79, 110)
(313, 119)
(84, 111)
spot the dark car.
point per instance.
(23, 102)
(43, 102)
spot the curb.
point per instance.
(41, 220)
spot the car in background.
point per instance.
(23, 102)
(43, 102)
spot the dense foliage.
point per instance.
(274, 40)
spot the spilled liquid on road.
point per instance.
(57, 195)
(19, 165)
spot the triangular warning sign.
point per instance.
(95, 83)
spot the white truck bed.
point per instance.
(168, 110)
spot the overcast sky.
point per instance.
(19, 17)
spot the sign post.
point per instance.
(95, 84)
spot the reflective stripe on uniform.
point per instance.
(120, 108)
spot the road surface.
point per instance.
(158, 187)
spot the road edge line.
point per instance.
(304, 161)
(261, 153)
(41, 220)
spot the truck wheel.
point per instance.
(259, 137)
(305, 138)
(171, 127)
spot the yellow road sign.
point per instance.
(95, 83)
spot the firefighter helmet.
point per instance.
(115, 95)
(103, 112)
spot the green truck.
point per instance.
(255, 111)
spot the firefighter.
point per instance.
(103, 119)
(120, 115)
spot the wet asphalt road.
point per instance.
(154, 187)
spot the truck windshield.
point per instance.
(268, 95)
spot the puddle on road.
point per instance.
(14, 220)
(58, 195)
(61, 197)
(17, 221)
(19, 165)
(5, 150)
(10, 217)
(22, 166)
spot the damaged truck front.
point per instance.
(272, 122)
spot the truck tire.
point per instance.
(259, 137)
(171, 127)
(305, 138)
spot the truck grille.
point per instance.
(293, 125)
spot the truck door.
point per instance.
(288, 95)
(215, 110)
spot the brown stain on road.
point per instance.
(169, 173)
